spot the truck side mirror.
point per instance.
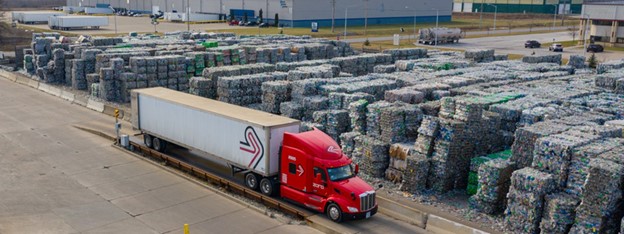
(357, 169)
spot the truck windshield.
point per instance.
(340, 173)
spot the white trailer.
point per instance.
(34, 17)
(96, 10)
(439, 35)
(245, 139)
(77, 22)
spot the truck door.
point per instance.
(319, 183)
(294, 172)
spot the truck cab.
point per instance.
(315, 173)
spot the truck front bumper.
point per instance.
(360, 215)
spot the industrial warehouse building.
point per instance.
(606, 21)
(519, 6)
(300, 13)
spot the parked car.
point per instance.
(556, 48)
(264, 25)
(251, 23)
(234, 22)
(532, 44)
(595, 48)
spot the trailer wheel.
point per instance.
(159, 144)
(334, 213)
(267, 187)
(147, 139)
(251, 180)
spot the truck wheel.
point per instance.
(147, 139)
(159, 144)
(267, 187)
(334, 213)
(251, 180)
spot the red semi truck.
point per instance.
(306, 167)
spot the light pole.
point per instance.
(495, 10)
(333, 2)
(366, 19)
(114, 15)
(407, 7)
(188, 16)
(554, 15)
(437, 16)
(481, 16)
(584, 35)
(346, 19)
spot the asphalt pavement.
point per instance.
(55, 178)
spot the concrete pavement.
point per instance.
(57, 179)
(499, 32)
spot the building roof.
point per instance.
(602, 2)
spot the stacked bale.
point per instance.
(398, 154)
(357, 114)
(245, 89)
(285, 67)
(448, 169)
(373, 118)
(361, 64)
(479, 56)
(58, 58)
(200, 86)
(552, 154)
(494, 181)
(579, 163)
(79, 78)
(475, 164)
(217, 72)
(406, 95)
(322, 71)
(400, 123)
(556, 58)
(342, 100)
(416, 172)
(273, 94)
(526, 137)
(335, 122)
(525, 200)
(348, 142)
(375, 158)
(427, 132)
(558, 213)
(601, 205)
(577, 61)
(406, 54)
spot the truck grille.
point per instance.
(367, 200)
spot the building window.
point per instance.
(292, 168)
(620, 40)
(602, 22)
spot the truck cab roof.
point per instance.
(319, 144)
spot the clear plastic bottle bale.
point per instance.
(347, 142)
(559, 213)
(526, 137)
(525, 199)
(579, 164)
(415, 173)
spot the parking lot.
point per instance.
(515, 45)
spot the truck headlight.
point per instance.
(352, 209)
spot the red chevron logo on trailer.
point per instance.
(252, 145)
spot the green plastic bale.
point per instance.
(473, 178)
(471, 189)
